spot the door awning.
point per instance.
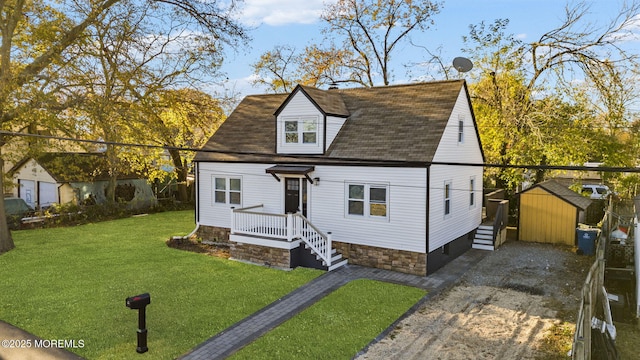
(291, 170)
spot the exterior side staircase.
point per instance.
(483, 238)
(493, 232)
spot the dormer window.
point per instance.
(301, 130)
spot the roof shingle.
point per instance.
(401, 123)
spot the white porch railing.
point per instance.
(289, 227)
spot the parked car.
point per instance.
(595, 191)
(15, 209)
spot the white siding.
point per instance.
(334, 124)
(404, 229)
(449, 149)
(300, 106)
(258, 187)
(463, 218)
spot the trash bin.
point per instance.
(587, 240)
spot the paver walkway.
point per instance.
(252, 327)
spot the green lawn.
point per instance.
(71, 283)
(338, 326)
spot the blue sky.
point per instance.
(297, 23)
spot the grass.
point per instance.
(338, 326)
(557, 342)
(627, 341)
(71, 284)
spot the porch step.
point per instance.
(337, 265)
(483, 238)
(482, 247)
(483, 242)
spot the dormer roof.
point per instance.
(329, 102)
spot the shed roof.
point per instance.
(401, 123)
(564, 193)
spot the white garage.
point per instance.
(35, 185)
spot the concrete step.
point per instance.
(482, 247)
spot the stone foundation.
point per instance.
(389, 259)
(213, 233)
(261, 255)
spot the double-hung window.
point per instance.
(303, 130)
(227, 190)
(447, 198)
(367, 200)
(460, 129)
(472, 192)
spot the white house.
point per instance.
(390, 177)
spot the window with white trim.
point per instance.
(367, 200)
(460, 129)
(447, 198)
(303, 130)
(227, 190)
(472, 192)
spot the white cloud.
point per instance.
(281, 12)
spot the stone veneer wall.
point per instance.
(261, 255)
(397, 260)
(213, 233)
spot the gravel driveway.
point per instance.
(519, 302)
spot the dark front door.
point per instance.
(292, 195)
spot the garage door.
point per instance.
(28, 191)
(48, 193)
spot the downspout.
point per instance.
(427, 207)
(187, 236)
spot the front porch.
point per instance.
(277, 239)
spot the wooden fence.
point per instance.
(594, 304)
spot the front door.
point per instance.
(292, 195)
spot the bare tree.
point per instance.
(372, 29)
(276, 69)
(515, 80)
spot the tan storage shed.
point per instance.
(550, 212)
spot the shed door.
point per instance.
(27, 191)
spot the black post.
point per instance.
(142, 330)
(140, 302)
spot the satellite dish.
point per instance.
(462, 64)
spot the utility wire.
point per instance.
(312, 157)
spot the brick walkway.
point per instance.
(252, 327)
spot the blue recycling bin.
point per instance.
(587, 240)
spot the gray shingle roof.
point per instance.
(564, 193)
(401, 123)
